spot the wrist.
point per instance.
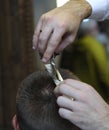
(80, 7)
(101, 124)
(105, 122)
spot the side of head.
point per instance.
(36, 107)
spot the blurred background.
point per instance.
(88, 58)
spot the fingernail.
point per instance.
(33, 47)
(44, 60)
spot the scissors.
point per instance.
(53, 71)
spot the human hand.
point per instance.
(58, 28)
(82, 105)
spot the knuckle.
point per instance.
(40, 47)
(35, 33)
(59, 99)
(61, 25)
(83, 96)
(61, 88)
(48, 52)
(61, 112)
(47, 57)
(88, 88)
(53, 44)
(71, 39)
(43, 16)
(67, 81)
(47, 17)
(42, 39)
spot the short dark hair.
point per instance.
(36, 106)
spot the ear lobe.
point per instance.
(15, 123)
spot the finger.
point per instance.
(71, 104)
(37, 33)
(54, 41)
(67, 90)
(76, 84)
(66, 102)
(67, 114)
(71, 116)
(44, 37)
(69, 82)
(64, 43)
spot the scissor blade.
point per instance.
(52, 73)
(56, 71)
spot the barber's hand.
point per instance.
(58, 28)
(82, 105)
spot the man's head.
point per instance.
(36, 107)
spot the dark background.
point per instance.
(17, 59)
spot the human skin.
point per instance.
(58, 28)
(87, 110)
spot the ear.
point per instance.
(15, 123)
